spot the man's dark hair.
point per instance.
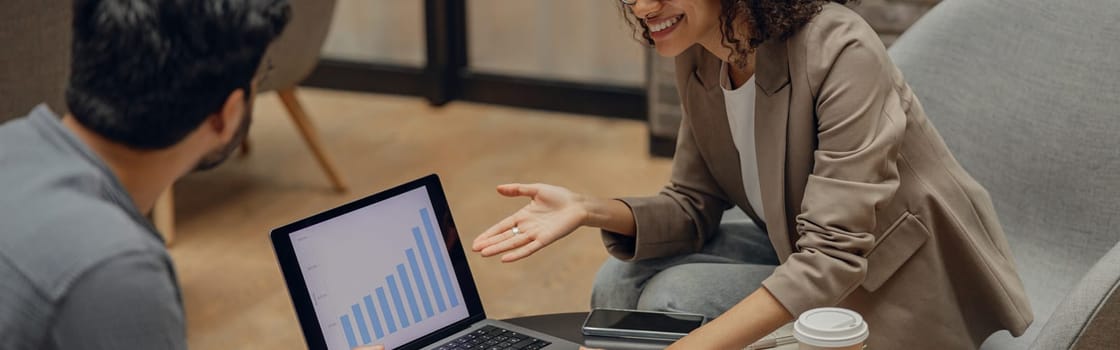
(145, 73)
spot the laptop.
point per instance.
(390, 269)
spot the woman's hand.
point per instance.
(552, 213)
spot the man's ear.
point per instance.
(226, 120)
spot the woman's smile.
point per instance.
(660, 28)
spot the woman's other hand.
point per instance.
(552, 213)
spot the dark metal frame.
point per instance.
(446, 77)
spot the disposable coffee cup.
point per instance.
(830, 328)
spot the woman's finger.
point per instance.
(491, 235)
(512, 242)
(495, 238)
(522, 252)
(518, 190)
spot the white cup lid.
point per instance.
(830, 327)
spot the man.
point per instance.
(158, 88)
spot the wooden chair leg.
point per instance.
(163, 216)
(310, 135)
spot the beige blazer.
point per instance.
(864, 204)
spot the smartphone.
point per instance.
(641, 324)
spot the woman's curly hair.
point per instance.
(765, 20)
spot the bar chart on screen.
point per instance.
(382, 274)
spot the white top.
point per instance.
(740, 116)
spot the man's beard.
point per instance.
(219, 155)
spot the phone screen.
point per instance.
(644, 321)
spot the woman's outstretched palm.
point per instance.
(552, 213)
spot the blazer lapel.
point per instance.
(709, 120)
(771, 119)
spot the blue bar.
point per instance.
(372, 312)
(345, 319)
(428, 268)
(397, 300)
(408, 292)
(361, 323)
(419, 282)
(385, 311)
(437, 252)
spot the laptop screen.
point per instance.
(380, 274)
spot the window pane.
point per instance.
(380, 31)
(575, 40)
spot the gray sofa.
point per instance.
(1027, 95)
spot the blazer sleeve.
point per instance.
(682, 217)
(860, 123)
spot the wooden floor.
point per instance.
(232, 289)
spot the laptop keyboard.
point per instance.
(494, 338)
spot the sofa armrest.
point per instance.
(1089, 317)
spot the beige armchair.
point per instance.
(35, 60)
(293, 56)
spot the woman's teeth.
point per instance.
(665, 24)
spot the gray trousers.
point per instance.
(729, 267)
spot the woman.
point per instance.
(794, 113)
